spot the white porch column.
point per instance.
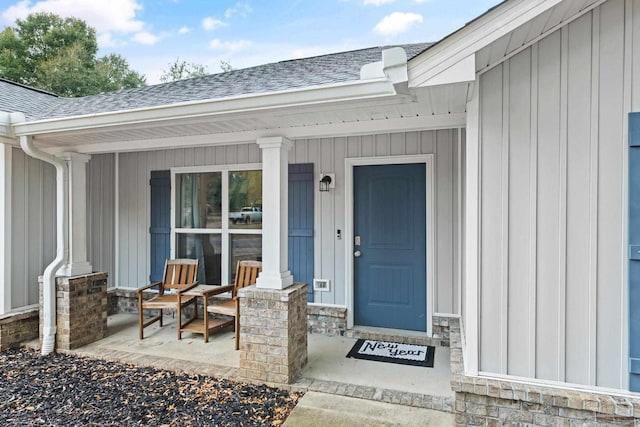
(5, 228)
(275, 163)
(77, 261)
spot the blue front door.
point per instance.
(390, 246)
(634, 252)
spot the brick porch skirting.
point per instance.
(487, 402)
(18, 326)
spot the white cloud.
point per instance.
(421, 1)
(145, 37)
(240, 8)
(377, 2)
(230, 46)
(396, 23)
(104, 16)
(184, 30)
(106, 40)
(211, 24)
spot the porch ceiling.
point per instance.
(532, 31)
(435, 107)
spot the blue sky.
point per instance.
(151, 34)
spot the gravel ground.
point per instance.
(64, 390)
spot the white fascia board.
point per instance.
(9, 141)
(473, 37)
(460, 72)
(348, 91)
(406, 124)
(5, 124)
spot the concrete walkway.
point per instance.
(322, 410)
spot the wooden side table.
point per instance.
(205, 325)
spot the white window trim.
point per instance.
(428, 161)
(225, 231)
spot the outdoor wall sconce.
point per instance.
(327, 181)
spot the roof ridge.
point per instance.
(35, 89)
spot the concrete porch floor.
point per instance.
(327, 370)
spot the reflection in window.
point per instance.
(199, 227)
(244, 247)
(245, 199)
(199, 200)
(208, 249)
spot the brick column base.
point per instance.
(81, 310)
(273, 333)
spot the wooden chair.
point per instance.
(246, 275)
(179, 275)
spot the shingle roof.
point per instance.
(291, 74)
(32, 102)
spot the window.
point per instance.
(217, 218)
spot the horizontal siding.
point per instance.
(33, 225)
(327, 155)
(552, 297)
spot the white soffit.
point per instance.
(532, 31)
(436, 108)
(476, 35)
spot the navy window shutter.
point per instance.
(160, 230)
(301, 224)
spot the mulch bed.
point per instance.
(64, 390)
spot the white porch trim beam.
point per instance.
(77, 263)
(275, 188)
(5, 228)
(404, 124)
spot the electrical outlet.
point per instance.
(322, 285)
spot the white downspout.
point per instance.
(62, 249)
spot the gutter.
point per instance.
(360, 90)
(62, 249)
(379, 80)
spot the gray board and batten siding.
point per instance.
(553, 211)
(101, 214)
(327, 155)
(33, 227)
(33, 243)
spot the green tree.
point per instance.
(179, 70)
(226, 66)
(60, 55)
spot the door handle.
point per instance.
(357, 254)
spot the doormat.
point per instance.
(384, 351)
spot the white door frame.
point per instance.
(427, 160)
